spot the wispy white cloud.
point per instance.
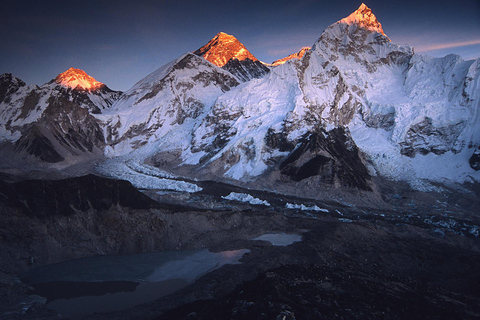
(448, 45)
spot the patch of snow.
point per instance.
(304, 207)
(243, 197)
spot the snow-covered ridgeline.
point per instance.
(176, 97)
(413, 117)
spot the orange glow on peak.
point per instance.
(364, 17)
(222, 48)
(78, 79)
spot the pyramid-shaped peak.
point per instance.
(222, 48)
(78, 79)
(365, 18)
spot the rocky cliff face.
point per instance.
(65, 131)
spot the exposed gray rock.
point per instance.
(247, 69)
(65, 130)
(424, 138)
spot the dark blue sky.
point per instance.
(120, 42)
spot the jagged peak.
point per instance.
(78, 79)
(365, 18)
(297, 55)
(10, 78)
(222, 48)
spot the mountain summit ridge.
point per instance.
(296, 55)
(78, 79)
(365, 18)
(222, 48)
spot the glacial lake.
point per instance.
(280, 239)
(115, 283)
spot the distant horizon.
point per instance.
(119, 43)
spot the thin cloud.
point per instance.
(441, 46)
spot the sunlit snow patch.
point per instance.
(304, 207)
(243, 197)
(280, 239)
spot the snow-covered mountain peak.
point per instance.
(297, 55)
(78, 79)
(222, 48)
(365, 18)
(358, 41)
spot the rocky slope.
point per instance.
(166, 105)
(54, 122)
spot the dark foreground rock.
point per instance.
(44, 198)
(353, 271)
(319, 292)
(353, 263)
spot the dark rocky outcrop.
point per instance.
(424, 137)
(474, 160)
(49, 198)
(246, 69)
(331, 156)
(9, 84)
(318, 292)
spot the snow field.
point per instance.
(243, 197)
(304, 207)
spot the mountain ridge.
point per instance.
(354, 85)
(297, 55)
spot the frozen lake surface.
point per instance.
(115, 283)
(280, 239)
